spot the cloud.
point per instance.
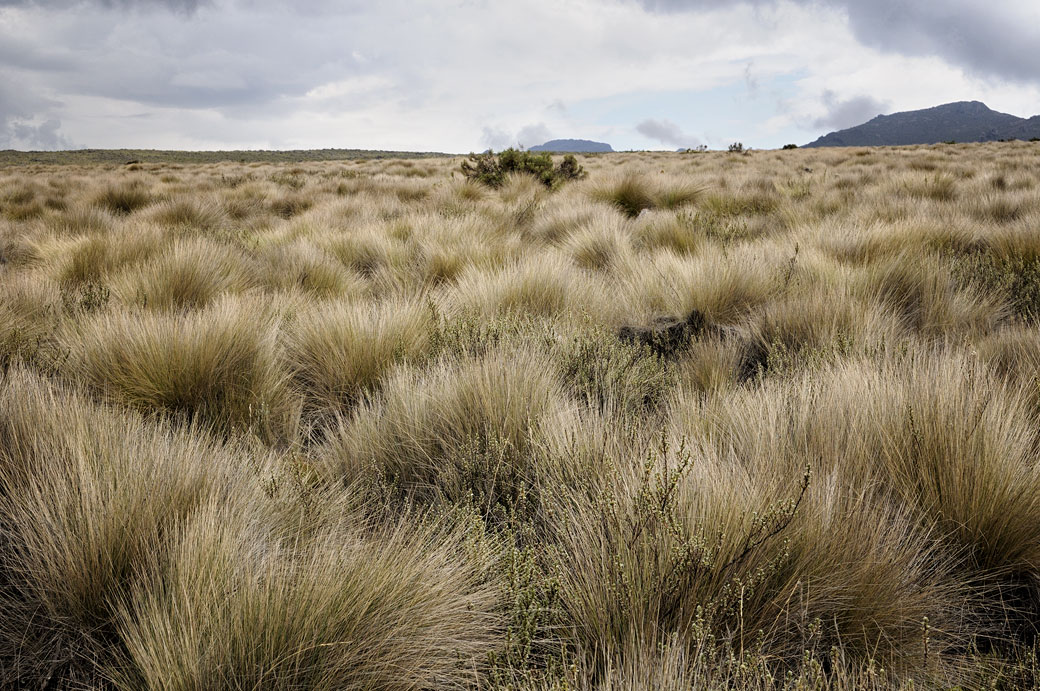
(498, 138)
(25, 122)
(998, 38)
(533, 135)
(751, 80)
(419, 74)
(993, 38)
(181, 6)
(27, 135)
(843, 113)
(666, 132)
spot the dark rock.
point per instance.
(665, 336)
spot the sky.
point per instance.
(467, 75)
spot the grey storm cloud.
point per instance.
(20, 128)
(843, 113)
(45, 136)
(666, 132)
(984, 38)
(165, 55)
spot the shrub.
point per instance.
(787, 147)
(490, 170)
(609, 374)
(1014, 278)
(736, 148)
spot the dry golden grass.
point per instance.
(364, 424)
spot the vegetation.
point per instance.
(715, 422)
(140, 157)
(491, 170)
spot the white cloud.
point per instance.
(457, 77)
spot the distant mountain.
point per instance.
(963, 121)
(1027, 129)
(578, 146)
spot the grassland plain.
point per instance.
(367, 425)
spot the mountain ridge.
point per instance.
(960, 121)
(578, 146)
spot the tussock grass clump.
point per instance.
(88, 496)
(29, 314)
(461, 428)
(1013, 351)
(397, 610)
(542, 288)
(754, 202)
(188, 275)
(22, 202)
(932, 432)
(86, 220)
(365, 251)
(940, 188)
(124, 198)
(926, 297)
(115, 545)
(724, 291)
(190, 214)
(94, 258)
(305, 267)
(287, 206)
(1012, 276)
(217, 366)
(807, 330)
(339, 353)
(705, 421)
(705, 562)
(599, 246)
(1001, 209)
(633, 194)
(673, 232)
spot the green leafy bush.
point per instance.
(491, 170)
